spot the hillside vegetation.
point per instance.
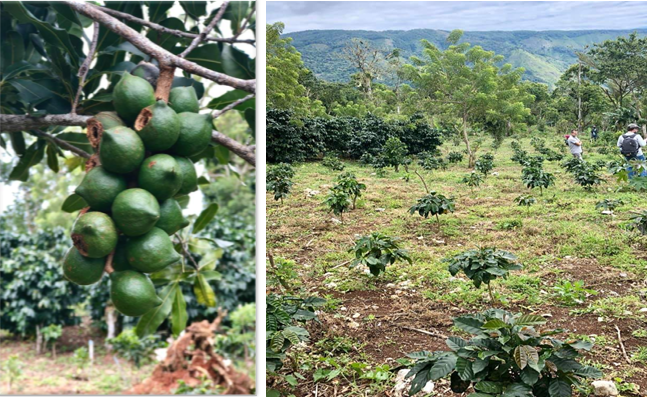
(545, 55)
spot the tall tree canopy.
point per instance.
(464, 84)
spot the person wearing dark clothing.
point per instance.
(631, 145)
(594, 133)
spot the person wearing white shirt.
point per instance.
(575, 145)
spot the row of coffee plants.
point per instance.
(299, 139)
(507, 354)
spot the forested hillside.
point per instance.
(545, 55)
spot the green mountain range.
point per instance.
(543, 54)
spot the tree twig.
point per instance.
(244, 25)
(148, 47)
(422, 179)
(14, 123)
(85, 67)
(62, 144)
(218, 113)
(203, 35)
(187, 253)
(109, 269)
(622, 345)
(422, 331)
(164, 82)
(244, 152)
(174, 32)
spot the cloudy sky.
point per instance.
(446, 15)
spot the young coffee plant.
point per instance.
(366, 159)
(379, 164)
(525, 201)
(609, 204)
(571, 294)
(519, 156)
(484, 164)
(506, 356)
(472, 180)
(333, 163)
(638, 221)
(376, 251)
(533, 177)
(132, 348)
(11, 370)
(586, 176)
(279, 180)
(348, 183)
(552, 155)
(433, 204)
(455, 157)
(537, 143)
(429, 162)
(483, 265)
(394, 152)
(338, 202)
(285, 316)
(51, 333)
(572, 164)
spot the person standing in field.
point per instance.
(631, 145)
(594, 133)
(575, 145)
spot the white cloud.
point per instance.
(449, 15)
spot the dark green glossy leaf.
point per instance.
(65, 11)
(149, 322)
(559, 388)
(183, 201)
(49, 33)
(18, 142)
(52, 158)
(165, 40)
(443, 367)
(250, 117)
(195, 9)
(222, 154)
(13, 50)
(33, 155)
(77, 139)
(205, 217)
(207, 55)
(179, 316)
(73, 203)
(230, 97)
(236, 63)
(31, 92)
(19, 67)
(236, 12)
(157, 10)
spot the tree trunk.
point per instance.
(579, 99)
(39, 340)
(111, 321)
(467, 141)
